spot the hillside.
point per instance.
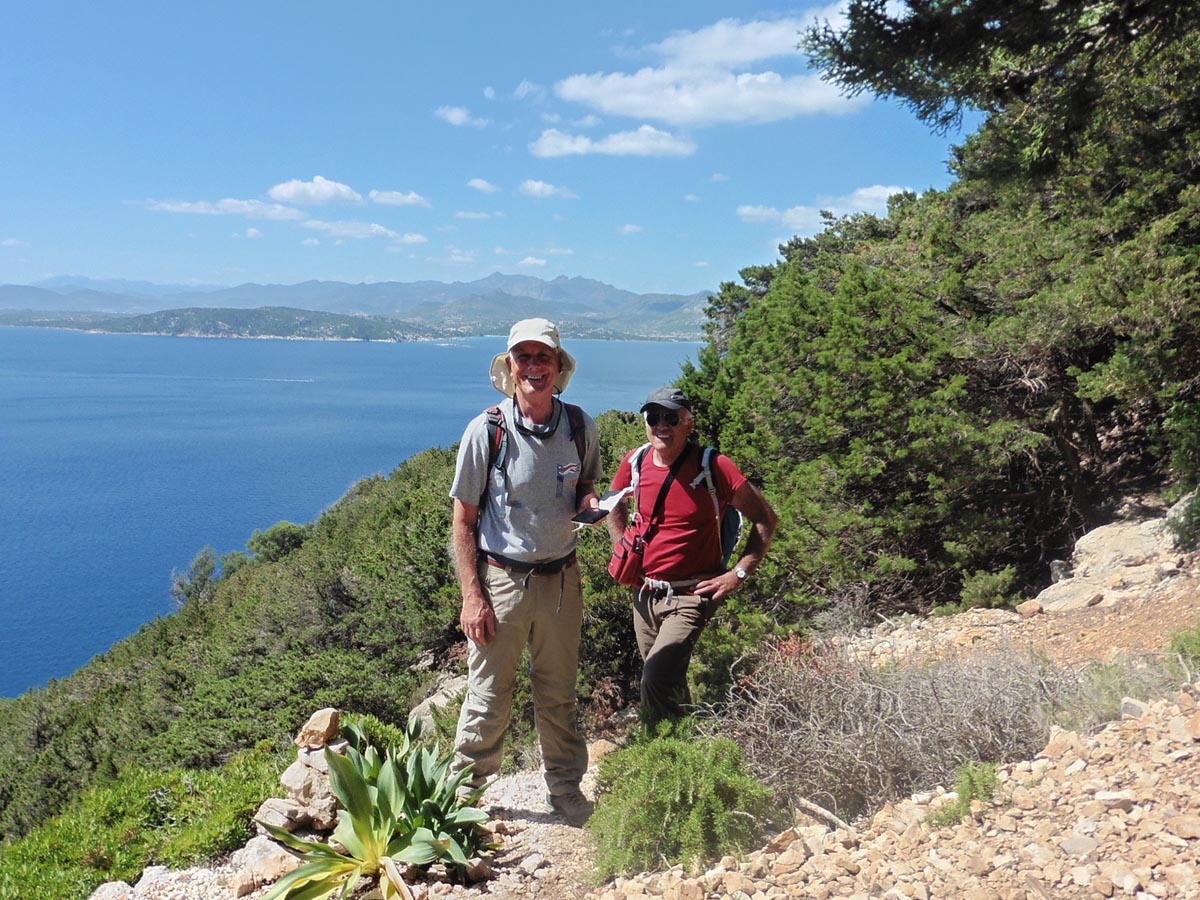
(266, 322)
(321, 310)
(1090, 810)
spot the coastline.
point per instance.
(674, 338)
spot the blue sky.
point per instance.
(654, 146)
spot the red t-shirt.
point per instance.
(688, 540)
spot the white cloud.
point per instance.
(691, 198)
(12, 242)
(701, 264)
(646, 141)
(749, 213)
(808, 220)
(253, 233)
(311, 242)
(360, 230)
(532, 261)
(474, 216)
(527, 89)
(481, 185)
(398, 198)
(588, 121)
(706, 98)
(458, 255)
(460, 115)
(718, 178)
(629, 229)
(251, 209)
(558, 251)
(314, 193)
(544, 191)
(489, 92)
(729, 43)
(712, 76)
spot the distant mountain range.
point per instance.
(392, 310)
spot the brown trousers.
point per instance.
(545, 614)
(667, 628)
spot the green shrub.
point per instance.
(175, 818)
(1186, 647)
(366, 730)
(975, 781)
(1182, 427)
(1185, 524)
(989, 590)
(673, 798)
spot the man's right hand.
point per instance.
(478, 621)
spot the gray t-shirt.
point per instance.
(526, 512)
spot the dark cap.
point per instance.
(668, 397)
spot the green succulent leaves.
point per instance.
(399, 807)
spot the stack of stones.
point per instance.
(310, 804)
(1113, 815)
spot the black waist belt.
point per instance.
(521, 568)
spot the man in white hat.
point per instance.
(525, 468)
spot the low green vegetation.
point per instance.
(671, 798)
(175, 818)
(1186, 645)
(974, 783)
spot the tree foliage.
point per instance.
(965, 385)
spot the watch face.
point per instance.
(740, 573)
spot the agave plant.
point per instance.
(402, 807)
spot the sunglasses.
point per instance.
(670, 417)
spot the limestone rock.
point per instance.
(1030, 608)
(320, 728)
(113, 890)
(262, 861)
(281, 814)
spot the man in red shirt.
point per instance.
(685, 581)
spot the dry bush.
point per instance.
(817, 725)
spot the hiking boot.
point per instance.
(572, 806)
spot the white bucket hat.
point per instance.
(544, 332)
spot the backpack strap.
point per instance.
(706, 474)
(578, 429)
(635, 471)
(497, 437)
(498, 434)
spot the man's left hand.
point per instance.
(720, 587)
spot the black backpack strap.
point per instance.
(497, 437)
(660, 501)
(578, 429)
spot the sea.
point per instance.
(122, 456)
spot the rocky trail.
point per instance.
(1115, 814)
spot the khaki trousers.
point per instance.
(545, 614)
(667, 628)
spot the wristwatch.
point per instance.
(740, 573)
